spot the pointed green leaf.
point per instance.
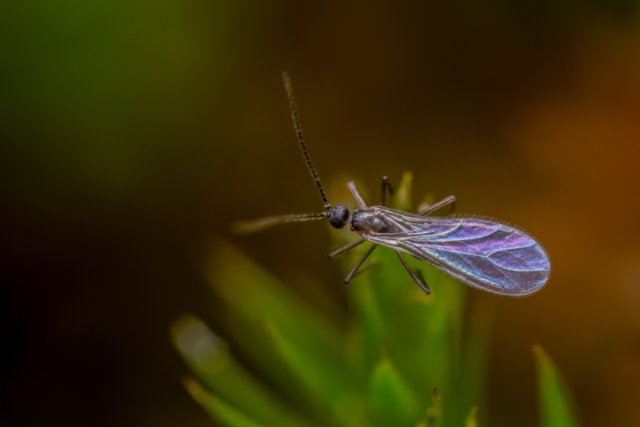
(556, 403)
(391, 402)
(472, 418)
(402, 198)
(218, 409)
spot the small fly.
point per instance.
(482, 253)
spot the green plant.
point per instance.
(399, 358)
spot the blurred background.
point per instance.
(135, 132)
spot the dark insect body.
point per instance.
(482, 253)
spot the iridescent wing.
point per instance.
(482, 253)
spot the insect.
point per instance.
(482, 253)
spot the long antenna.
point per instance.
(298, 128)
(245, 227)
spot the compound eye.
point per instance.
(338, 216)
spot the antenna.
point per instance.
(298, 128)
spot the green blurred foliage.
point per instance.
(401, 359)
(556, 405)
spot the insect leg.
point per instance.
(346, 247)
(386, 185)
(355, 268)
(449, 200)
(356, 195)
(416, 276)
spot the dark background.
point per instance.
(133, 132)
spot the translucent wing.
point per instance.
(485, 254)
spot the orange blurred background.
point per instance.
(134, 132)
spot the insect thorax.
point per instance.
(369, 221)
